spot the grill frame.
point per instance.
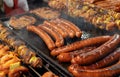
(89, 30)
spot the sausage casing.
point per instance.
(98, 53)
(110, 71)
(59, 41)
(71, 25)
(49, 42)
(80, 44)
(57, 28)
(67, 57)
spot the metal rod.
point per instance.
(34, 71)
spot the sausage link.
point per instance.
(112, 58)
(71, 25)
(69, 30)
(80, 44)
(67, 57)
(53, 25)
(58, 37)
(98, 53)
(110, 71)
(49, 42)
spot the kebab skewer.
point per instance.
(26, 54)
(10, 64)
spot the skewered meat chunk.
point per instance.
(27, 55)
(49, 74)
(10, 64)
(58, 4)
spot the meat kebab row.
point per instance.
(14, 54)
(99, 17)
(93, 57)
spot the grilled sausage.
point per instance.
(66, 28)
(112, 58)
(98, 53)
(58, 37)
(49, 42)
(80, 44)
(72, 26)
(110, 71)
(54, 25)
(67, 57)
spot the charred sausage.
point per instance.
(71, 25)
(98, 53)
(110, 59)
(49, 42)
(110, 71)
(80, 44)
(67, 57)
(59, 41)
(66, 28)
(57, 28)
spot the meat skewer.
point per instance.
(49, 74)
(98, 53)
(27, 55)
(59, 41)
(10, 64)
(80, 44)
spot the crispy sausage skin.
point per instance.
(54, 25)
(67, 57)
(98, 53)
(71, 25)
(110, 71)
(59, 41)
(49, 42)
(110, 59)
(80, 44)
(66, 28)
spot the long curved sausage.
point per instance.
(67, 57)
(49, 42)
(98, 53)
(112, 58)
(59, 41)
(71, 25)
(80, 44)
(110, 71)
(54, 25)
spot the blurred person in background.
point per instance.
(14, 7)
